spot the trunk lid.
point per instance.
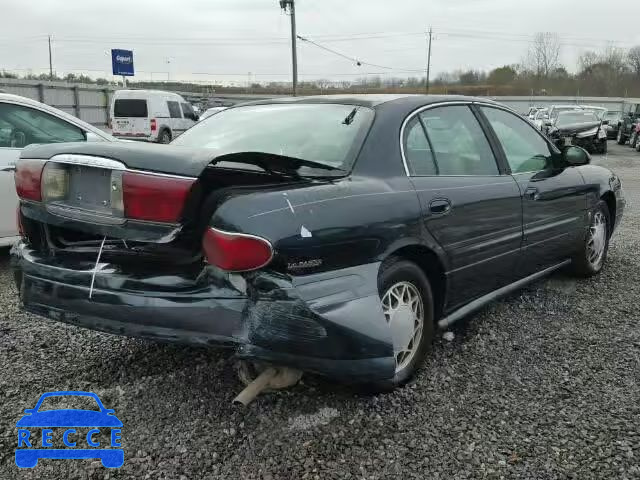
(134, 192)
(184, 161)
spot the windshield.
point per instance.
(573, 118)
(557, 110)
(329, 134)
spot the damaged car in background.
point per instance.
(330, 235)
(579, 127)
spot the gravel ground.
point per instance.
(542, 385)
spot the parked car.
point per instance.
(330, 234)
(614, 117)
(24, 122)
(531, 114)
(211, 111)
(541, 116)
(582, 128)
(150, 115)
(630, 115)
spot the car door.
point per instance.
(469, 206)
(553, 195)
(20, 126)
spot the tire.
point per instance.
(584, 262)
(164, 137)
(620, 138)
(405, 277)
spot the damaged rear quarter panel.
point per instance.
(329, 241)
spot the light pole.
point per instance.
(290, 4)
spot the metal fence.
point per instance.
(91, 102)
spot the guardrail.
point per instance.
(91, 102)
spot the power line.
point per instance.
(355, 60)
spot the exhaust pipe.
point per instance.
(270, 378)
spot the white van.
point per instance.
(150, 115)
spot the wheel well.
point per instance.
(610, 199)
(430, 264)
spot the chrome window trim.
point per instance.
(452, 103)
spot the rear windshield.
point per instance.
(129, 107)
(330, 134)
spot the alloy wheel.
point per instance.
(404, 311)
(597, 240)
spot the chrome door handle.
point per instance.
(440, 206)
(532, 193)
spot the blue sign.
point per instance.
(122, 62)
(58, 428)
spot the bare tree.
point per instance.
(633, 60)
(543, 56)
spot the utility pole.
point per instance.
(429, 60)
(50, 61)
(294, 55)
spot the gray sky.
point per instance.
(227, 39)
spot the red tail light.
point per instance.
(28, 178)
(154, 125)
(236, 252)
(154, 198)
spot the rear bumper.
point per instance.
(331, 323)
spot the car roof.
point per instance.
(28, 102)
(374, 100)
(144, 93)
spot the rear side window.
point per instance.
(129, 107)
(459, 144)
(174, 110)
(417, 150)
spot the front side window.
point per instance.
(21, 126)
(417, 150)
(459, 145)
(174, 110)
(331, 134)
(187, 111)
(525, 149)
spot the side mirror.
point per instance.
(576, 156)
(548, 123)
